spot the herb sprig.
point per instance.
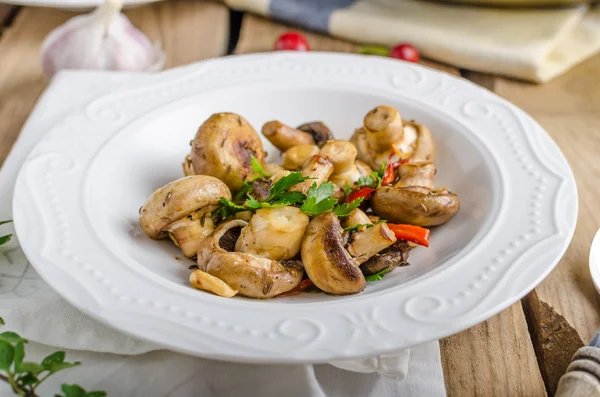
(379, 275)
(373, 179)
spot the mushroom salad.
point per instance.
(332, 216)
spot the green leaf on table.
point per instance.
(345, 209)
(257, 169)
(318, 199)
(2, 321)
(55, 367)
(19, 355)
(73, 390)
(378, 276)
(4, 222)
(5, 239)
(11, 337)
(56, 357)
(28, 379)
(7, 353)
(96, 394)
(32, 368)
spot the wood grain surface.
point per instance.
(494, 358)
(569, 109)
(189, 31)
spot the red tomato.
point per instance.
(405, 52)
(291, 41)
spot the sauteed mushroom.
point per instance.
(182, 209)
(223, 147)
(274, 233)
(319, 131)
(395, 255)
(252, 276)
(343, 157)
(369, 241)
(294, 158)
(318, 168)
(284, 137)
(326, 260)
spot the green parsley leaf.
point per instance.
(2, 321)
(378, 276)
(11, 337)
(318, 199)
(366, 225)
(55, 367)
(345, 209)
(373, 179)
(73, 390)
(257, 169)
(253, 203)
(28, 379)
(244, 191)
(227, 208)
(285, 183)
(348, 189)
(4, 222)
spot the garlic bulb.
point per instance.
(104, 39)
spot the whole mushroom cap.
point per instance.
(179, 199)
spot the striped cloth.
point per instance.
(530, 44)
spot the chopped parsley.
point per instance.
(379, 275)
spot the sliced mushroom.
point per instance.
(223, 148)
(175, 208)
(284, 137)
(343, 156)
(294, 158)
(393, 256)
(252, 276)
(417, 143)
(318, 168)
(415, 205)
(274, 233)
(326, 261)
(273, 169)
(366, 243)
(366, 154)
(319, 131)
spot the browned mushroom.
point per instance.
(343, 156)
(326, 260)
(294, 158)
(318, 168)
(394, 256)
(369, 239)
(250, 275)
(182, 209)
(284, 137)
(319, 131)
(223, 148)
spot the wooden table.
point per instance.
(521, 351)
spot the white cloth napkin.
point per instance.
(125, 366)
(534, 44)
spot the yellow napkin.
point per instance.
(529, 44)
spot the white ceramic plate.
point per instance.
(595, 260)
(71, 4)
(78, 194)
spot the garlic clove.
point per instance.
(104, 39)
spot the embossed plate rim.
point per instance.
(323, 335)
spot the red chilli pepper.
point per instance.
(304, 285)
(364, 192)
(415, 234)
(390, 172)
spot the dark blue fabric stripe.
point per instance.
(311, 14)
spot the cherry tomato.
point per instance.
(406, 52)
(292, 41)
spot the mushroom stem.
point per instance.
(357, 217)
(319, 131)
(188, 167)
(384, 127)
(188, 233)
(207, 282)
(416, 174)
(294, 158)
(318, 168)
(367, 243)
(284, 137)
